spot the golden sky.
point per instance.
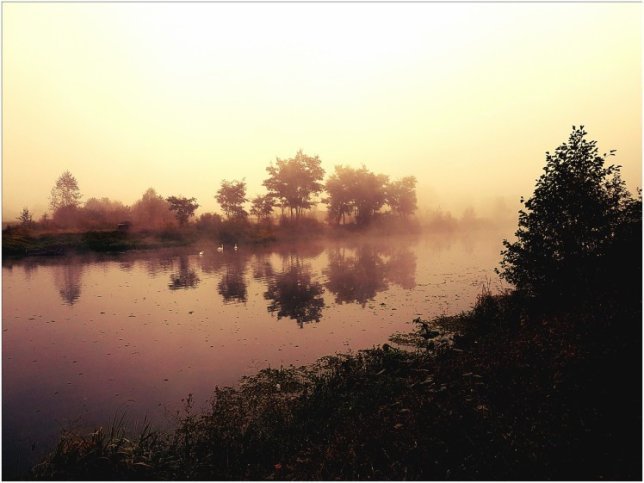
(466, 97)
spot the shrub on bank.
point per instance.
(574, 229)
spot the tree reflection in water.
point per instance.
(262, 266)
(212, 262)
(126, 265)
(355, 278)
(157, 265)
(401, 268)
(232, 286)
(358, 275)
(185, 277)
(30, 267)
(293, 294)
(67, 279)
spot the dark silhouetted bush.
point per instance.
(570, 228)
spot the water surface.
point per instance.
(87, 338)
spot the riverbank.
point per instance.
(20, 242)
(505, 391)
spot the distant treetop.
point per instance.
(65, 192)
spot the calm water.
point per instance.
(88, 338)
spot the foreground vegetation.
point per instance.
(500, 392)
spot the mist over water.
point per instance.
(89, 337)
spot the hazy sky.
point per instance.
(466, 97)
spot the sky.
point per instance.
(466, 97)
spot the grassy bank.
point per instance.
(17, 243)
(505, 391)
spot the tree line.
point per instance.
(293, 186)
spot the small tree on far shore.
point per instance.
(26, 218)
(65, 192)
(357, 192)
(340, 202)
(262, 207)
(183, 208)
(231, 197)
(295, 182)
(64, 201)
(401, 196)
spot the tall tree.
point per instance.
(569, 224)
(295, 181)
(262, 207)
(339, 188)
(183, 208)
(355, 191)
(231, 197)
(152, 211)
(369, 192)
(65, 192)
(401, 196)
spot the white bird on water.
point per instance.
(201, 253)
(235, 247)
(220, 248)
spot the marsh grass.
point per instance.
(103, 454)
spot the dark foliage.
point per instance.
(575, 228)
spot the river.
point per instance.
(87, 339)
